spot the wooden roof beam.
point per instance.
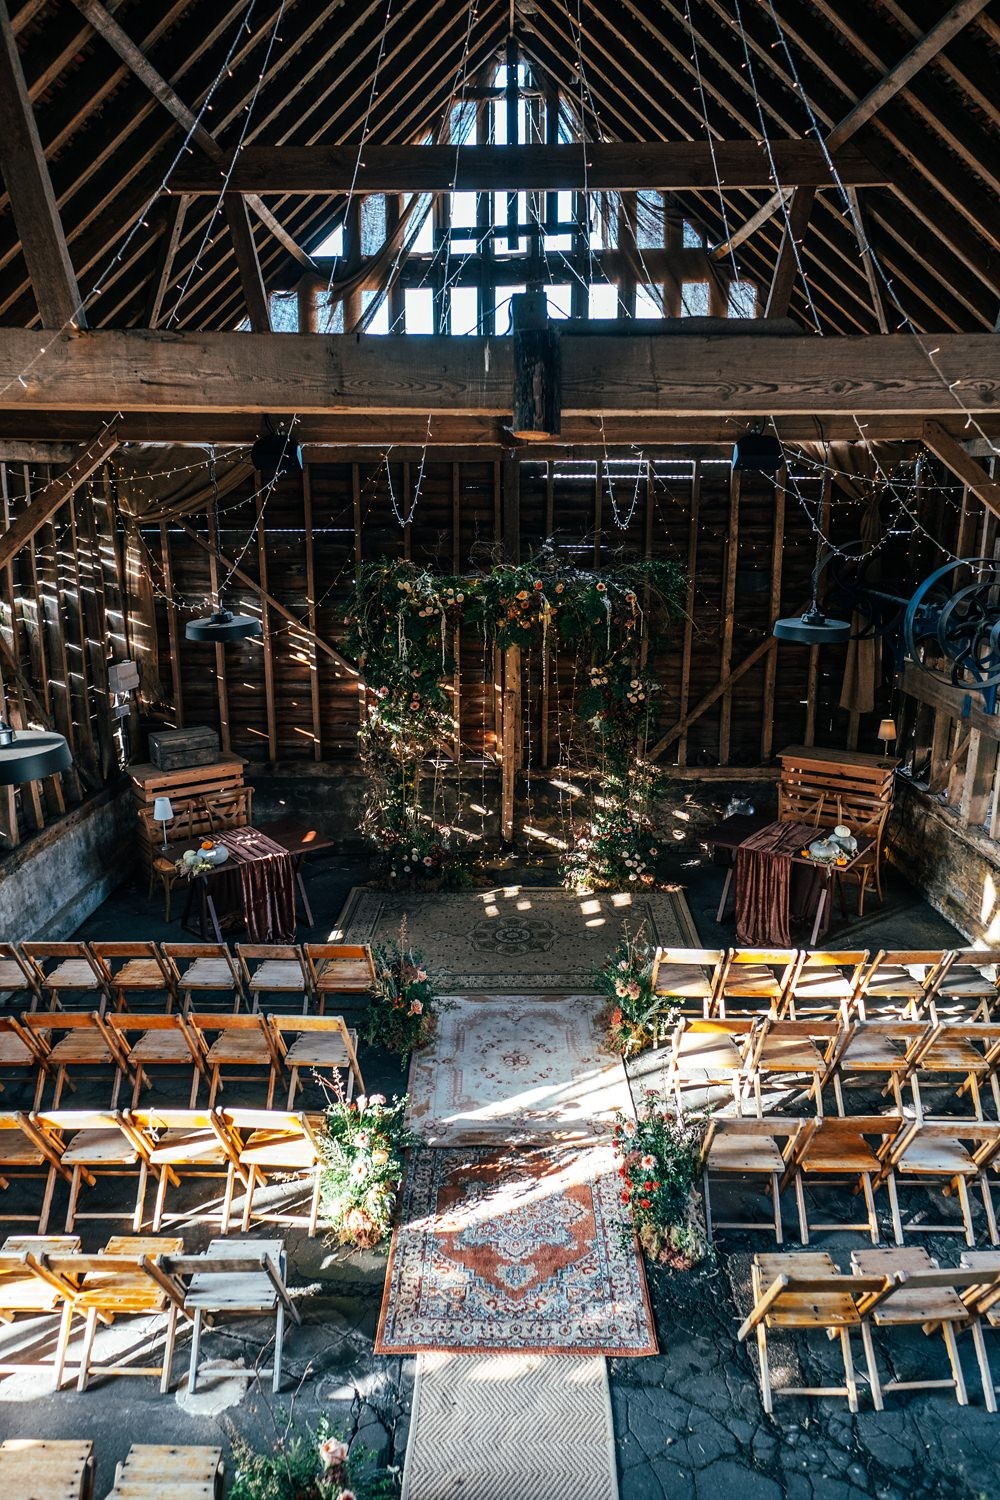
(897, 78)
(33, 201)
(43, 505)
(954, 457)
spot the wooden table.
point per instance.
(297, 838)
(732, 832)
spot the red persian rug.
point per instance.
(519, 1250)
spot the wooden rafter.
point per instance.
(43, 505)
(966, 468)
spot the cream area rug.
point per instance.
(510, 1427)
(515, 939)
(516, 1068)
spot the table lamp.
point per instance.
(887, 734)
(162, 813)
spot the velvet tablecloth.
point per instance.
(764, 897)
(256, 884)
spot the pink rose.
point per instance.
(416, 1008)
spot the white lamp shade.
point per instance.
(887, 730)
(162, 811)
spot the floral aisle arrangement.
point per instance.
(633, 1010)
(403, 1005)
(660, 1153)
(401, 627)
(363, 1143)
(309, 1466)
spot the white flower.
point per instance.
(361, 1102)
(359, 1170)
(333, 1453)
(374, 1099)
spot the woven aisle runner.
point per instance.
(510, 1427)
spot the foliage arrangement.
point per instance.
(633, 1011)
(313, 1466)
(363, 1142)
(659, 1155)
(403, 1006)
(400, 626)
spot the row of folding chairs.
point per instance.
(145, 1277)
(789, 981)
(869, 1154)
(242, 1148)
(115, 975)
(55, 1047)
(885, 1290)
(748, 1055)
(66, 1467)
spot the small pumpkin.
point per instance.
(208, 844)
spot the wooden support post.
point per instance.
(352, 261)
(689, 607)
(940, 745)
(812, 674)
(728, 614)
(511, 542)
(774, 610)
(222, 691)
(977, 788)
(790, 253)
(173, 628)
(170, 238)
(307, 523)
(267, 642)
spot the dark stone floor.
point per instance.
(689, 1422)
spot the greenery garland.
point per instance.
(401, 622)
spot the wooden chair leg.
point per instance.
(963, 1198)
(873, 1376)
(849, 1377)
(985, 1373)
(65, 1324)
(897, 1222)
(279, 1339)
(43, 1218)
(195, 1347)
(800, 1199)
(776, 1203)
(271, 1081)
(292, 1087)
(140, 1198)
(765, 1375)
(991, 1218)
(248, 1198)
(950, 1343)
(706, 1198)
(74, 1193)
(227, 1197)
(168, 1351)
(870, 1202)
(161, 1193)
(88, 1348)
(314, 1207)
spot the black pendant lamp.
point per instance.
(814, 628)
(30, 754)
(223, 627)
(276, 455)
(757, 452)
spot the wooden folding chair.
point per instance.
(805, 1291)
(970, 985)
(58, 1468)
(168, 1041)
(95, 1143)
(243, 1041)
(18, 976)
(323, 1043)
(707, 1054)
(161, 1471)
(124, 1280)
(877, 1049)
(188, 1143)
(687, 977)
(966, 1052)
(833, 1150)
(755, 980)
(782, 1051)
(982, 1299)
(26, 1156)
(28, 1290)
(235, 1278)
(204, 969)
(79, 1039)
(921, 1296)
(282, 1142)
(902, 980)
(67, 969)
(339, 969)
(824, 983)
(24, 1052)
(274, 969)
(741, 1149)
(135, 969)
(948, 1154)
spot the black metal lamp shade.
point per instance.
(758, 451)
(275, 455)
(222, 628)
(812, 629)
(30, 754)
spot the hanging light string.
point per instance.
(710, 137)
(141, 221)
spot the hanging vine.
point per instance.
(401, 623)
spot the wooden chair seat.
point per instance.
(161, 1047)
(13, 1052)
(12, 976)
(790, 1054)
(82, 1047)
(125, 1286)
(278, 1149)
(909, 1305)
(21, 1291)
(346, 976)
(139, 974)
(100, 1148)
(188, 1147)
(988, 1262)
(319, 1050)
(843, 1152)
(56, 1468)
(207, 974)
(680, 982)
(869, 1051)
(712, 1052)
(241, 1291)
(952, 1055)
(745, 1154)
(240, 1047)
(278, 974)
(72, 974)
(17, 1150)
(807, 1309)
(154, 1471)
(936, 1158)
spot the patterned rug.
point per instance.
(514, 1250)
(554, 1415)
(514, 1068)
(514, 939)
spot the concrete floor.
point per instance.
(689, 1421)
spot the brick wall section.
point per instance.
(957, 869)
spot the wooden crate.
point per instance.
(180, 749)
(833, 786)
(187, 783)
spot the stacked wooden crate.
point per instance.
(827, 787)
(188, 783)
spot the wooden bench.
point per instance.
(162, 1471)
(47, 1469)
